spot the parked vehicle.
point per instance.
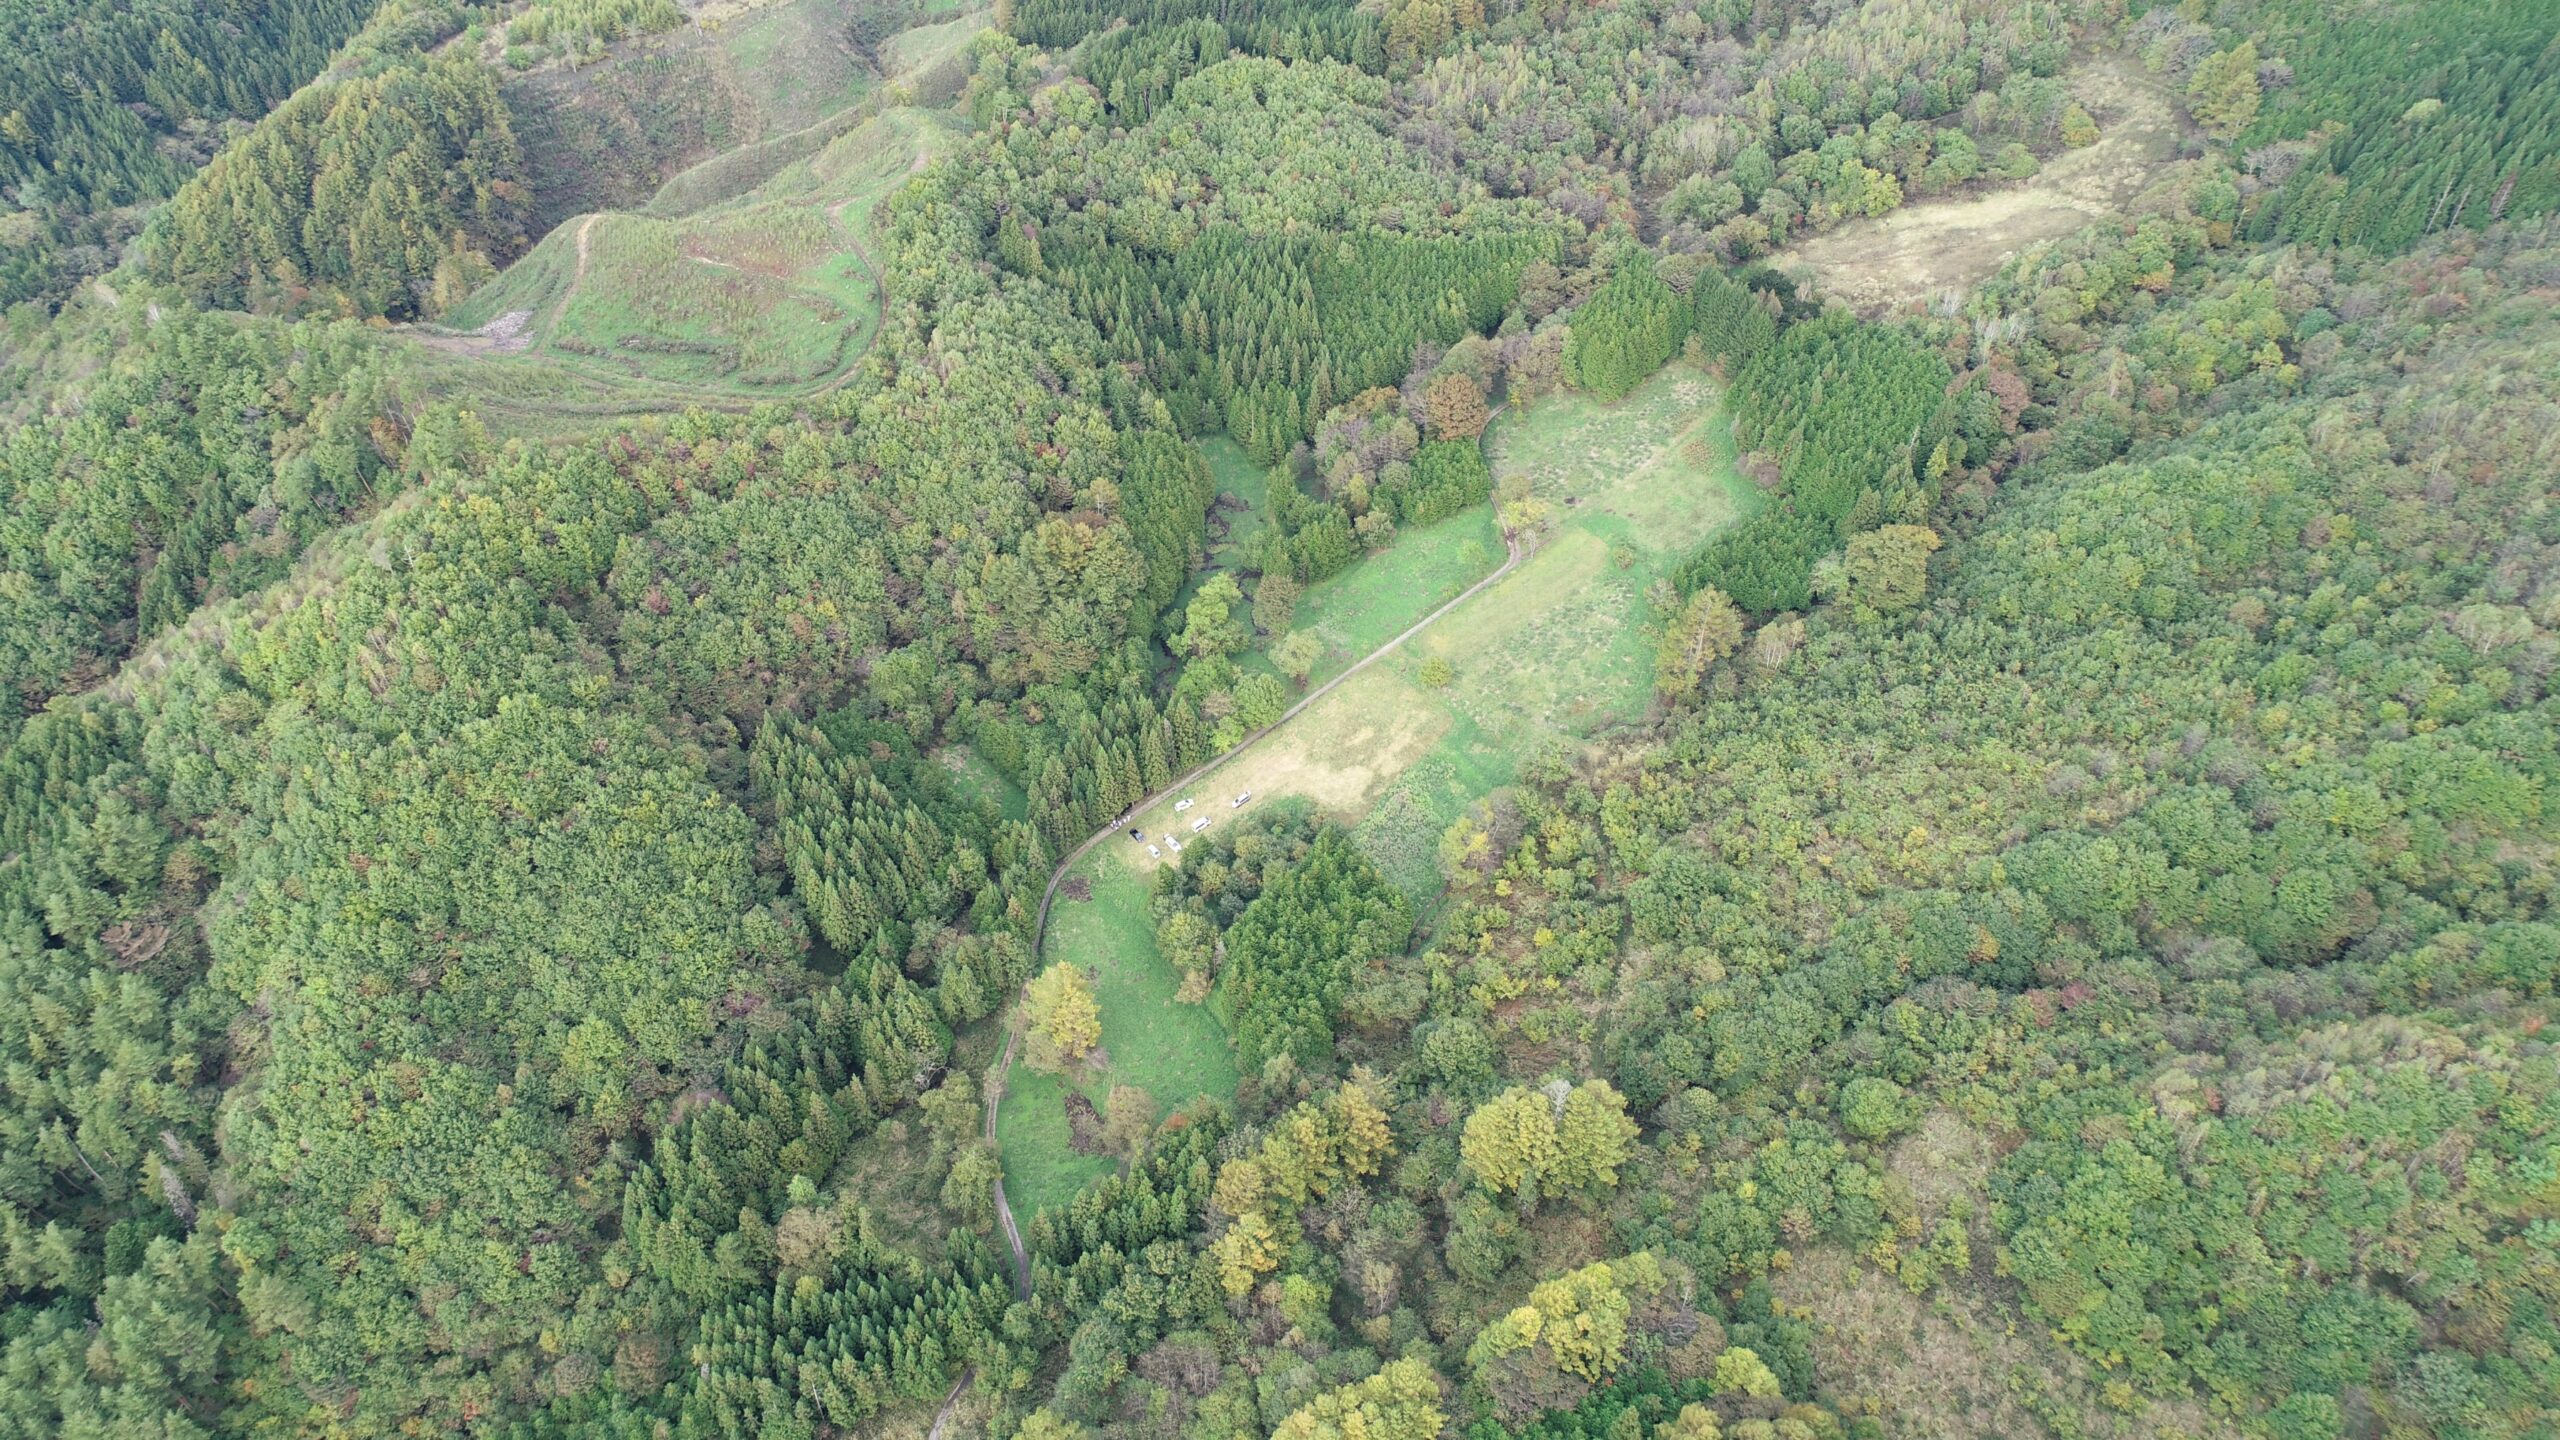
(1239, 800)
(1200, 824)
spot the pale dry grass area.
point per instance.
(1554, 650)
(1931, 247)
(1959, 1362)
(1953, 1365)
(1340, 754)
(1944, 1159)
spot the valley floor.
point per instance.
(1553, 653)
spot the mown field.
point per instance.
(1556, 652)
(1171, 1050)
(1371, 603)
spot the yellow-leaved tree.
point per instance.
(1249, 1250)
(1400, 1402)
(1536, 1141)
(1309, 1151)
(1065, 1022)
(1510, 1140)
(1576, 1322)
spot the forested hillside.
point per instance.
(390, 195)
(1981, 871)
(196, 470)
(1735, 126)
(105, 107)
(2379, 132)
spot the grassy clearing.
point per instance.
(533, 284)
(733, 174)
(1562, 648)
(742, 279)
(737, 82)
(1236, 521)
(763, 300)
(1381, 595)
(1171, 1050)
(975, 779)
(1556, 652)
(912, 51)
(853, 173)
(1927, 249)
(1378, 597)
(800, 65)
(1401, 832)
(1244, 499)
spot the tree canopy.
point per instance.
(516, 884)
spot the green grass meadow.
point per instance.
(1563, 648)
(1171, 1050)
(770, 303)
(1247, 484)
(1381, 595)
(974, 778)
(768, 296)
(802, 71)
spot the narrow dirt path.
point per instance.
(880, 294)
(1040, 926)
(577, 276)
(1004, 1212)
(880, 289)
(1040, 930)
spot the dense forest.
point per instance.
(197, 471)
(105, 107)
(2377, 133)
(524, 931)
(382, 195)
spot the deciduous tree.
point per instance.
(1065, 1023)
(1707, 629)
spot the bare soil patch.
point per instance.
(1343, 750)
(1084, 1125)
(506, 335)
